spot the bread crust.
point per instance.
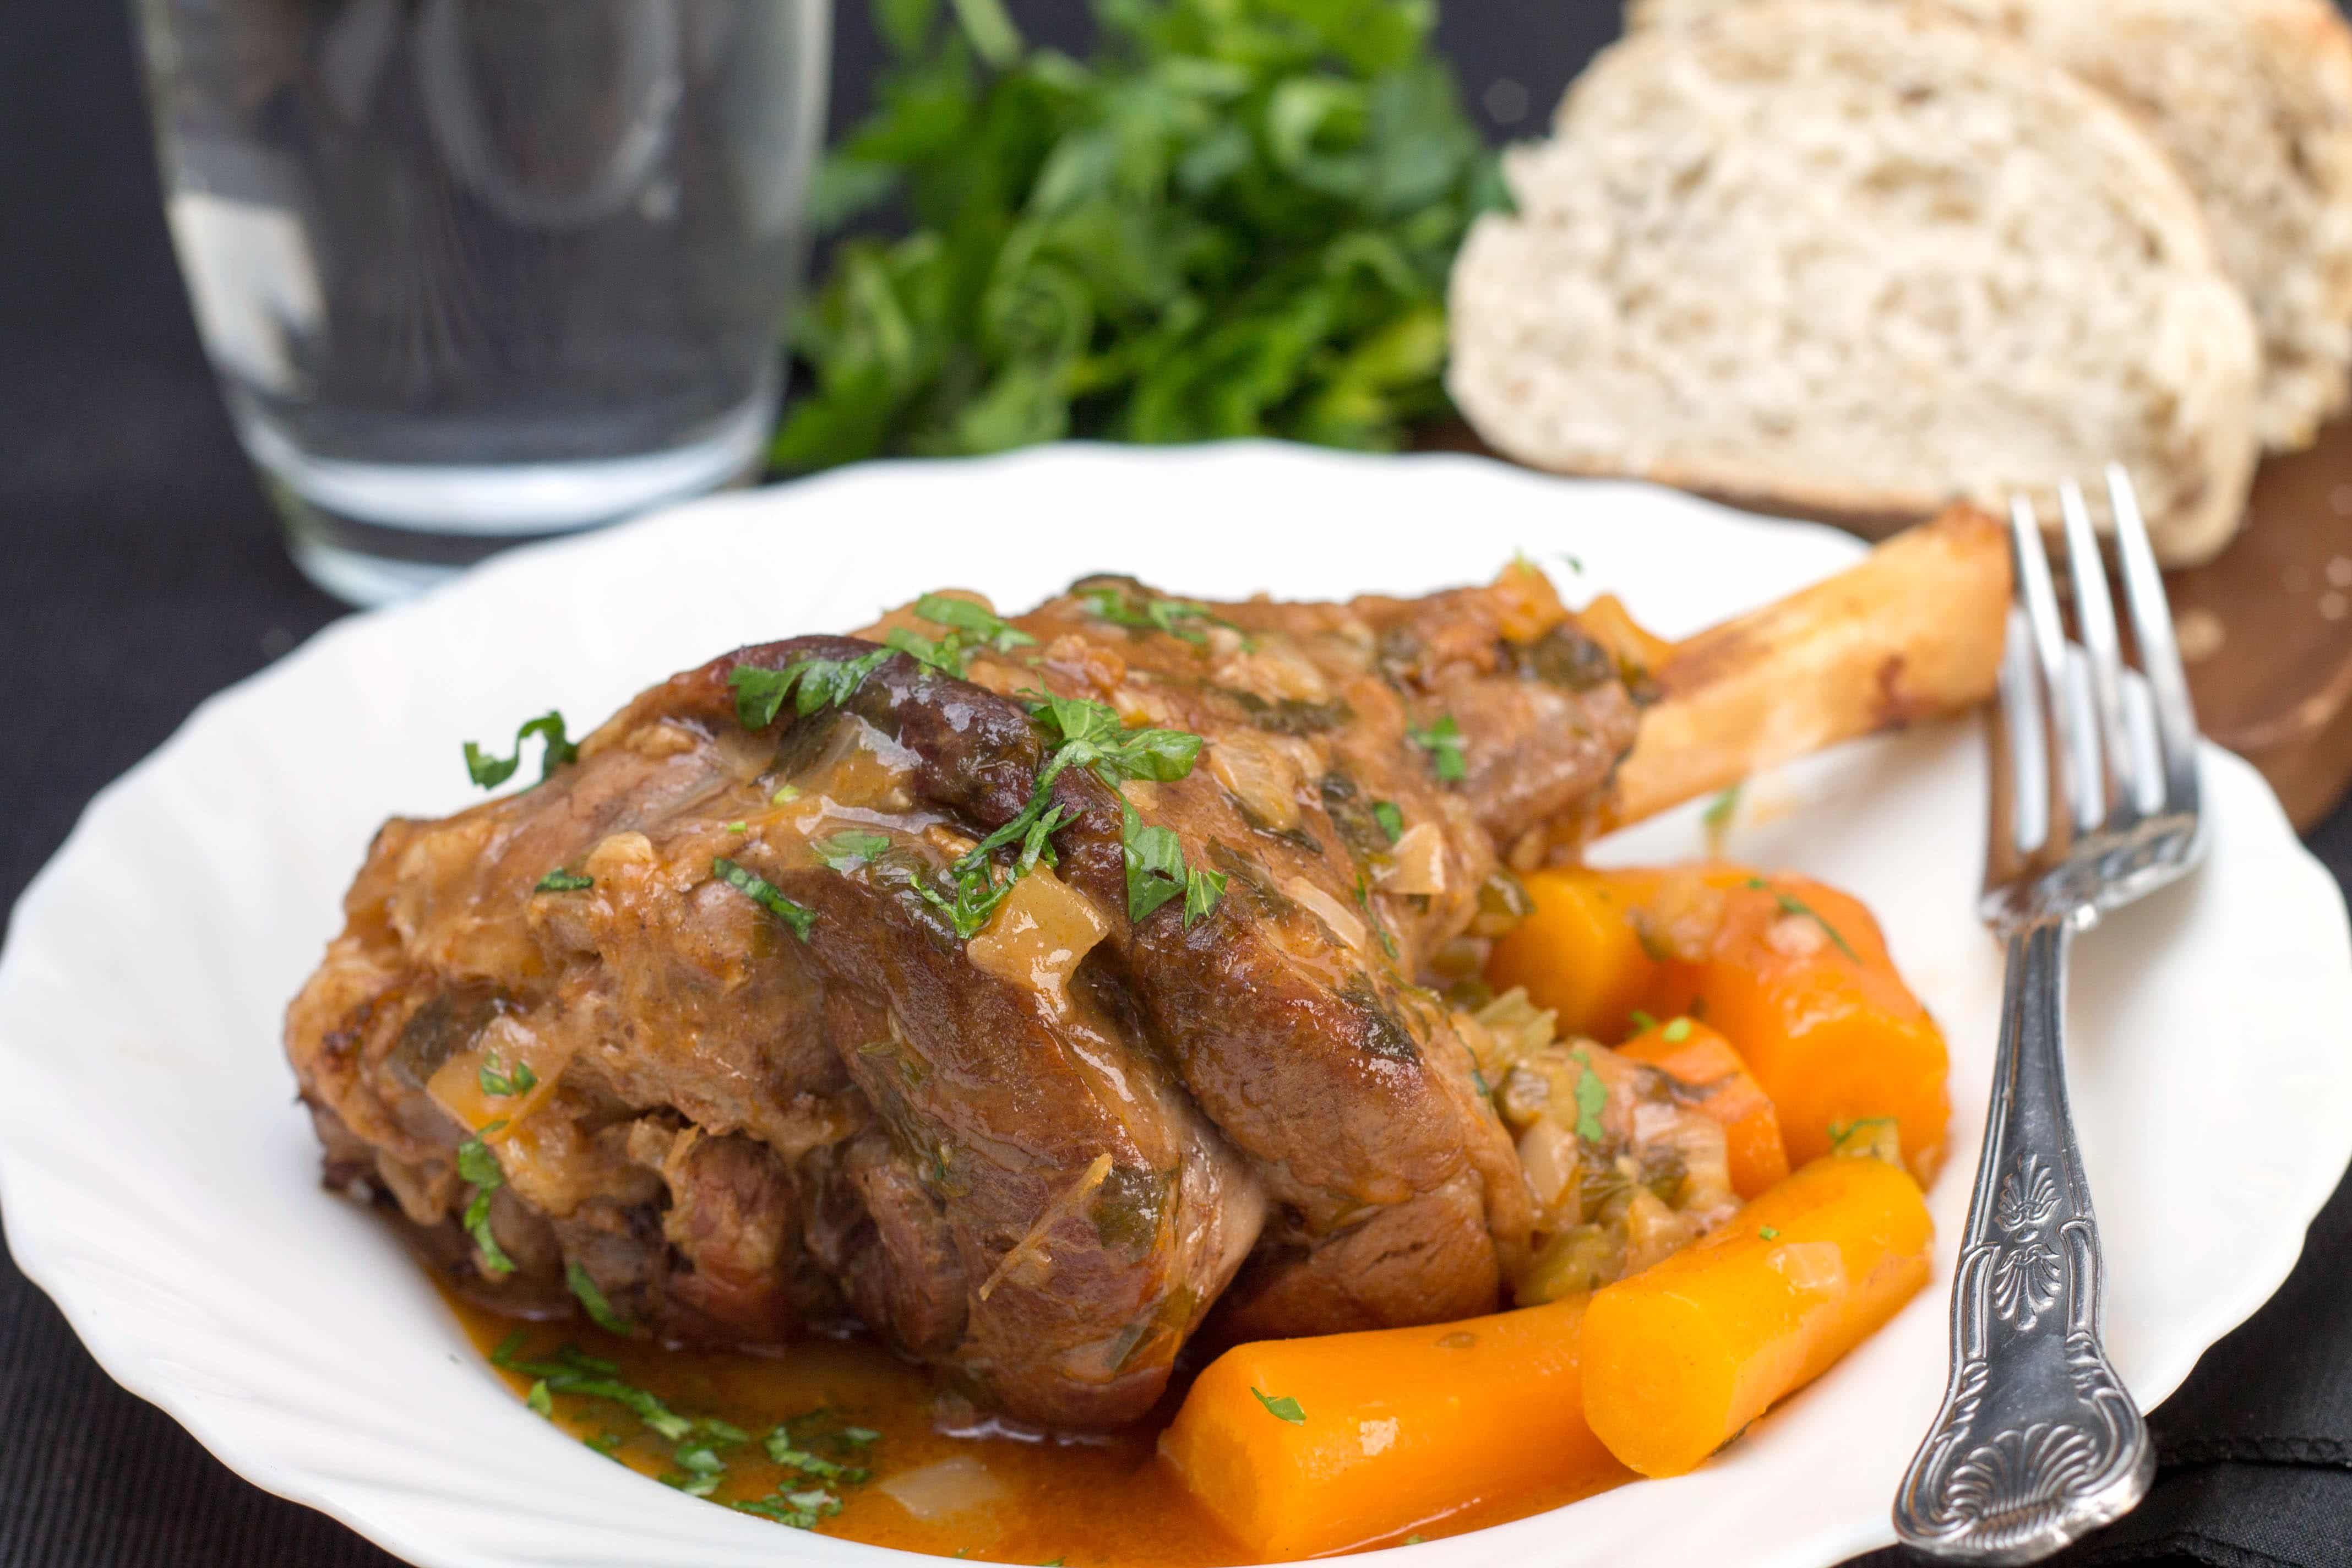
(2254, 100)
(1551, 372)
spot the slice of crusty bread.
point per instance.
(1852, 258)
(2253, 101)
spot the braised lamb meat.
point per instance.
(1023, 991)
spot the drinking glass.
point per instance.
(473, 272)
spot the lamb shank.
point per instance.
(1027, 992)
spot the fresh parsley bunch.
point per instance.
(1236, 220)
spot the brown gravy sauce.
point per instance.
(1105, 1502)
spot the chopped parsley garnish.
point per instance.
(1676, 1032)
(600, 1310)
(1149, 614)
(1087, 735)
(1768, 1234)
(844, 852)
(1643, 1023)
(562, 881)
(785, 795)
(1282, 1407)
(1155, 872)
(1792, 905)
(497, 1080)
(539, 1399)
(490, 772)
(572, 1370)
(738, 825)
(1443, 742)
(1592, 1099)
(478, 1165)
(763, 892)
(1722, 809)
(1390, 819)
(813, 684)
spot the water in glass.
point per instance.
(478, 271)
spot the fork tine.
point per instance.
(2159, 654)
(2039, 598)
(2094, 625)
(2018, 777)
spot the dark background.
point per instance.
(139, 571)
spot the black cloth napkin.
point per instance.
(139, 571)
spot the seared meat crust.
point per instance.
(1034, 1160)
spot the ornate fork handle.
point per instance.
(2038, 1442)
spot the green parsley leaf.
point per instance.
(1676, 1032)
(844, 852)
(1155, 864)
(496, 1080)
(972, 620)
(738, 825)
(600, 1310)
(490, 772)
(539, 1399)
(1088, 735)
(1643, 1023)
(763, 892)
(1150, 615)
(946, 654)
(1592, 1099)
(1443, 742)
(478, 1165)
(785, 795)
(1768, 1234)
(1230, 220)
(1792, 905)
(1722, 809)
(1203, 890)
(813, 685)
(1282, 1407)
(859, 1436)
(606, 1443)
(1391, 819)
(562, 881)
(694, 1484)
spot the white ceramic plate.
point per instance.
(159, 1182)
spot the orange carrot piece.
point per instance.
(1682, 1357)
(1580, 953)
(1301, 1446)
(1695, 1055)
(1798, 979)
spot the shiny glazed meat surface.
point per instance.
(1038, 1159)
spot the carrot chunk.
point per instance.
(1580, 952)
(1301, 1446)
(1679, 1358)
(1700, 1058)
(1798, 977)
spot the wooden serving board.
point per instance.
(2265, 631)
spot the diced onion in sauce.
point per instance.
(1039, 934)
(1328, 910)
(943, 1489)
(505, 1045)
(1417, 863)
(1261, 776)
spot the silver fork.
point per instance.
(2094, 803)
